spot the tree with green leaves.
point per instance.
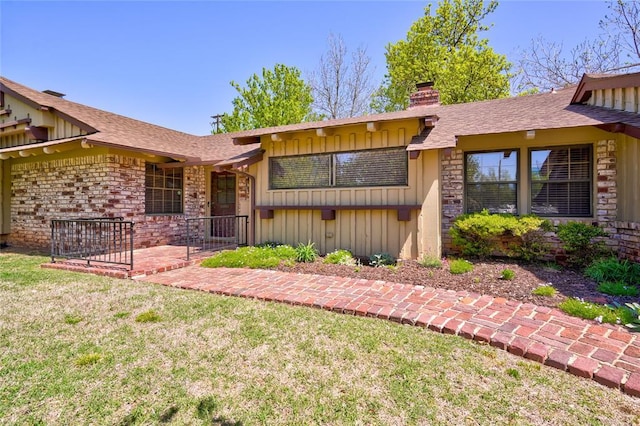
(278, 97)
(445, 48)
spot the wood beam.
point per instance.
(37, 133)
(277, 137)
(414, 155)
(248, 140)
(431, 121)
(373, 126)
(324, 132)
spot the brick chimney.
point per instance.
(424, 95)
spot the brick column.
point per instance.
(452, 177)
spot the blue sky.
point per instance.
(170, 62)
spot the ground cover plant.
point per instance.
(226, 360)
(265, 256)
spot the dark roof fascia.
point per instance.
(626, 129)
(143, 150)
(589, 83)
(84, 126)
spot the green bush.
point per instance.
(481, 235)
(340, 257)
(613, 269)
(579, 241)
(545, 290)
(588, 310)
(632, 320)
(429, 261)
(306, 253)
(252, 257)
(460, 266)
(618, 288)
(380, 260)
(507, 274)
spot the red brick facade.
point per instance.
(103, 185)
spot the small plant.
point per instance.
(460, 266)
(269, 244)
(613, 269)
(340, 257)
(121, 315)
(579, 241)
(507, 274)
(513, 373)
(380, 260)
(88, 359)
(206, 408)
(476, 280)
(618, 288)
(72, 319)
(545, 290)
(149, 316)
(632, 321)
(430, 261)
(593, 311)
(306, 253)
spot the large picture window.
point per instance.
(491, 181)
(375, 167)
(163, 190)
(561, 181)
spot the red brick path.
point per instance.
(607, 354)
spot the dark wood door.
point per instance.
(223, 203)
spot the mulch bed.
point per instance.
(484, 279)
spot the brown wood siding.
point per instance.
(363, 231)
(628, 159)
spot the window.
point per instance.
(561, 181)
(375, 167)
(163, 190)
(491, 181)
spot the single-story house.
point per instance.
(391, 182)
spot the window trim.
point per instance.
(515, 182)
(333, 169)
(180, 190)
(591, 179)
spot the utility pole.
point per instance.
(216, 122)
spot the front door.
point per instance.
(223, 203)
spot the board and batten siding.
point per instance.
(363, 231)
(628, 159)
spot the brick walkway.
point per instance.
(608, 354)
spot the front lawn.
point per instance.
(80, 349)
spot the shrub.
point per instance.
(507, 274)
(481, 235)
(429, 261)
(580, 244)
(306, 253)
(612, 269)
(340, 257)
(602, 313)
(544, 290)
(618, 288)
(380, 260)
(460, 266)
(269, 244)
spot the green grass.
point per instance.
(225, 360)
(460, 266)
(545, 290)
(148, 316)
(252, 257)
(588, 310)
(618, 288)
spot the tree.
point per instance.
(342, 84)
(546, 64)
(279, 97)
(445, 48)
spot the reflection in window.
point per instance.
(561, 181)
(163, 190)
(491, 180)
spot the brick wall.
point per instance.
(104, 185)
(452, 175)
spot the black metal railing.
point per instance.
(216, 233)
(104, 240)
